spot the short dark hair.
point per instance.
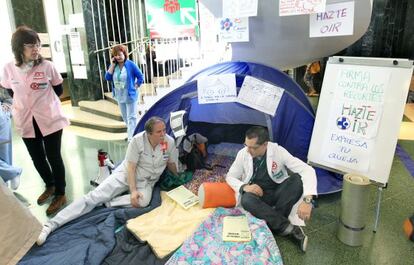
(24, 35)
(149, 124)
(258, 132)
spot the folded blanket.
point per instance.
(206, 245)
(166, 227)
(19, 229)
(88, 239)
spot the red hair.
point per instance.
(120, 48)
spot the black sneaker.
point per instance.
(299, 237)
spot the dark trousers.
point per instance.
(274, 207)
(45, 153)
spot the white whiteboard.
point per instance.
(359, 115)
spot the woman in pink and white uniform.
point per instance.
(35, 85)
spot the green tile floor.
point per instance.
(387, 246)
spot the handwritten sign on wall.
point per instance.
(337, 20)
(300, 7)
(239, 8)
(355, 118)
(217, 89)
(260, 95)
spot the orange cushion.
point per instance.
(216, 194)
(408, 228)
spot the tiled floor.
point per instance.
(81, 164)
(387, 246)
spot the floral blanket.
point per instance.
(206, 245)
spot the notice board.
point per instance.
(359, 115)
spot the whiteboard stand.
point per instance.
(344, 140)
(377, 212)
(381, 188)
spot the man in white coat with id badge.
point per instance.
(263, 186)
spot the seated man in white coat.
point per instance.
(148, 154)
(263, 187)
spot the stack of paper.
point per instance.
(236, 228)
(183, 197)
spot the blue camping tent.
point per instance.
(266, 73)
(291, 127)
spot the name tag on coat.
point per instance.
(119, 84)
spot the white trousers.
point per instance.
(110, 188)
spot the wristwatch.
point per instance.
(308, 200)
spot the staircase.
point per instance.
(102, 119)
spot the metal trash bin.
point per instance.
(354, 206)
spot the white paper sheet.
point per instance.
(348, 151)
(234, 29)
(177, 124)
(362, 83)
(76, 20)
(260, 95)
(337, 20)
(217, 89)
(358, 119)
(75, 41)
(79, 72)
(76, 57)
(300, 7)
(239, 8)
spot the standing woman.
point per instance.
(126, 79)
(311, 78)
(35, 85)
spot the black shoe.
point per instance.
(299, 237)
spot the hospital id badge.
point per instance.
(119, 84)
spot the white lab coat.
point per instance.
(277, 159)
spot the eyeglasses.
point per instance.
(32, 46)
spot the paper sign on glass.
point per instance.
(76, 57)
(79, 72)
(75, 41)
(260, 95)
(217, 89)
(76, 20)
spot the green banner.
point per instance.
(171, 18)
